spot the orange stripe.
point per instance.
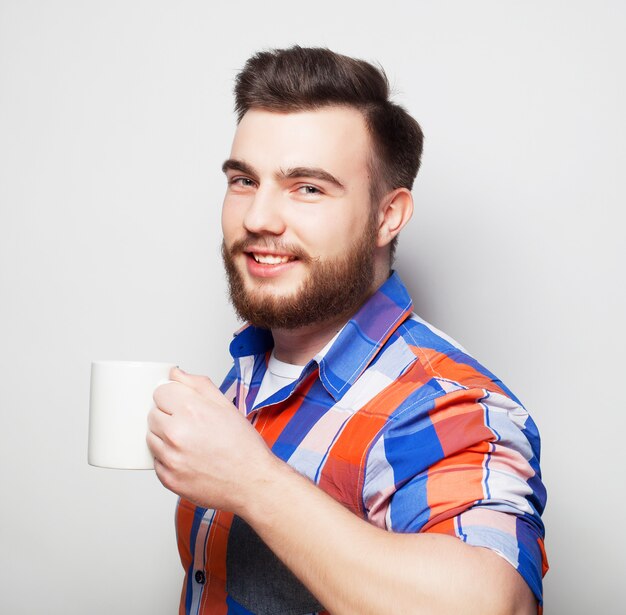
(544, 558)
(459, 420)
(441, 365)
(274, 419)
(214, 595)
(184, 521)
(447, 526)
(343, 473)
(456, 482)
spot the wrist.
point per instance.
(264, 490)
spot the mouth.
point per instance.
(261, 262)
(271, 259)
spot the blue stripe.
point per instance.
(198, 514)
(409, 506)
(486, 479)
(314, 406)
(234, 608)
(413, 449)
(258, 371)
(230, 378)
(498, 438)
(459, 526)
(529, 559)
(361, 338)
(251, 340)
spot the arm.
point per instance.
(354, 567)
(211, 455)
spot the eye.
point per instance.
(309, 190)
(241, 182)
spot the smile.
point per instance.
(267, 265)
(271, 259)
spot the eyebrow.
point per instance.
(314, 173)
(232, 164)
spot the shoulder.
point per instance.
(444, 361)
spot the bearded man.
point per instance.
(355, 459)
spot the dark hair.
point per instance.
(300, 79)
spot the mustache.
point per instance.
(269, 244)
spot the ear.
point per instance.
(396, 210)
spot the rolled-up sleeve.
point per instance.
(465, 463)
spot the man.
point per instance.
(373, 466)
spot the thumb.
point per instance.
(201, 384)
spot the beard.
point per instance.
(332, 288)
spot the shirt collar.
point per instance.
(356, 345)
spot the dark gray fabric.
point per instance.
(259, 581)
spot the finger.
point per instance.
(156, 422)
(163, 474)
(165, 396)
(155, 444)
(201, 384)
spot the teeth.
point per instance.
(271, 259)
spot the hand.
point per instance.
(204, 449)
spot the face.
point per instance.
(299, 230)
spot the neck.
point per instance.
(299, 346)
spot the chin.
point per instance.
(267, 291)
(279, 287)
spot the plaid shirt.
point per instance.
(398, 423)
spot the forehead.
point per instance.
(332, 138)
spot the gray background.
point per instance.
(114, 120)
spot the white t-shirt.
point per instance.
(280, 374)
(277, 376)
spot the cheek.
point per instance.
(231, 221)
(327, 238)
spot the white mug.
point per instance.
(120, 399)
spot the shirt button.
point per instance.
(200, 578)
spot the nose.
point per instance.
(265, 213)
